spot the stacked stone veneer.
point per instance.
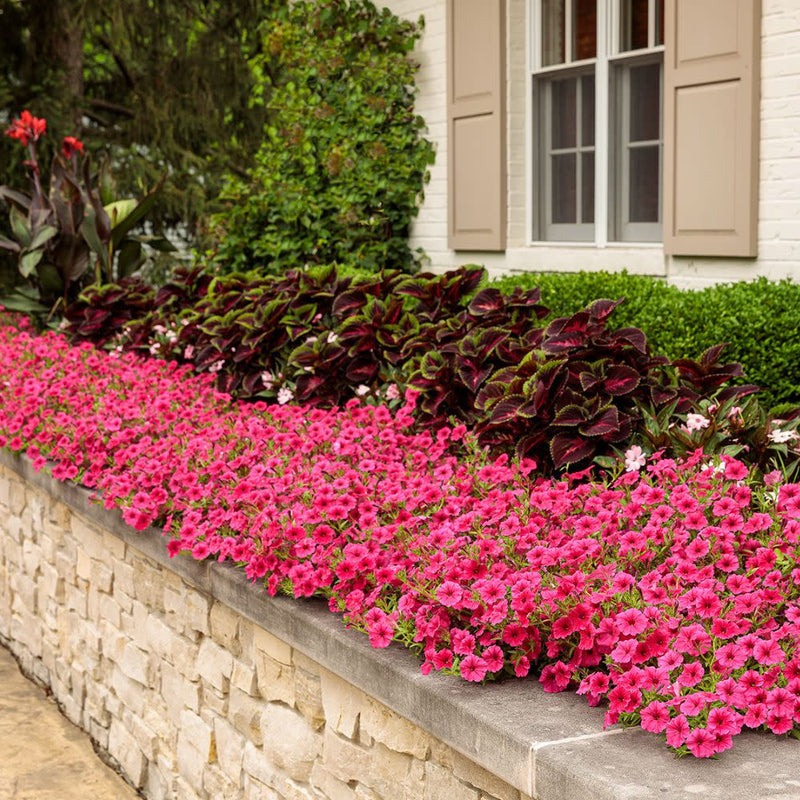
(190, 698)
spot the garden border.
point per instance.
(551, 747)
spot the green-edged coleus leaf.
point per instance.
(571, 415)
(604, 424)
(570, 448)
(487, 301)
(621, 380)
(506, 409)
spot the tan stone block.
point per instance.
(214, 664)
(274, 647)
(101, 576)
(275, 680)
(244, 713)
(230, 749)
(145, 737)
(16, 498)
(308, 697)
(255, 790)
(178, 692)
(244, 678)
(196, 749)
(329, 786)
(148, 588)
(158, 636)
(258, 765)
(290, 741)
(302, 661)
(224, 625)
(109, 610)
(195, 612)
(475, 775)
(218, 785)
(440, 784)
(213, 700)
(184, 657)
(114, 547)
(129, 692)
(65, 566)
(50, 583)
(392, 730)
(124, 580)
(83, 565)
(89, 537)
(5, 491)
(124, 749)
(341, 703)
(344, 759)
(135, 663)
(247, 631)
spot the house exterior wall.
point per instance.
(779, 183)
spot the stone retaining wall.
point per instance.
(199, 685)
(187, 696)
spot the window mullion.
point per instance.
(651, 23)
(601, 149)
(568, 32)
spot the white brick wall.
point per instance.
(779, 203)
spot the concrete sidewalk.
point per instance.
(43, 756)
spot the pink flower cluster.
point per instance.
(670, 594)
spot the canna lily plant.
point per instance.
(77, 228)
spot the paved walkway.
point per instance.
(43, 756)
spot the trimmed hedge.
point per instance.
(760, 320)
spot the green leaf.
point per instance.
(8, 244)
(129, 258)
(20, 227)
(43, 235)
(29, 262)
(19, 302)
(90, 234)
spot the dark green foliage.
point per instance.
(339, 174)
(760, 320)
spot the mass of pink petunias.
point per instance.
(670, 595)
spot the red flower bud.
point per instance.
(70, 145)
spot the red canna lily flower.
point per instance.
(27, 128)
(70, 145)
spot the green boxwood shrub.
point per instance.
(343, 163)
(759, 320)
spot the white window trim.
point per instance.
(608, 30)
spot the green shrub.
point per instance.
(342, 165)
(759, 320)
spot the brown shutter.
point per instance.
(711, 127)
(476, 124)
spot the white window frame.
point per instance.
(607, 231)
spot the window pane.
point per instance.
(563, 200)
(564, 108)
(587, 110)
(645, 103)
(633, 16)
(553, 22)
(585, 42)
(643, 184)
(587, 187)
(659, 21)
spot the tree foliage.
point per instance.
(342, 164)
(165, 84)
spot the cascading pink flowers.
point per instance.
(670, 594)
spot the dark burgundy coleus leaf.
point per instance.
(621, 380)
(605, 424)
(568, 448)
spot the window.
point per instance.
(597, 119)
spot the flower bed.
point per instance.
(672, 593)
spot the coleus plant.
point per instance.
(569, 393)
